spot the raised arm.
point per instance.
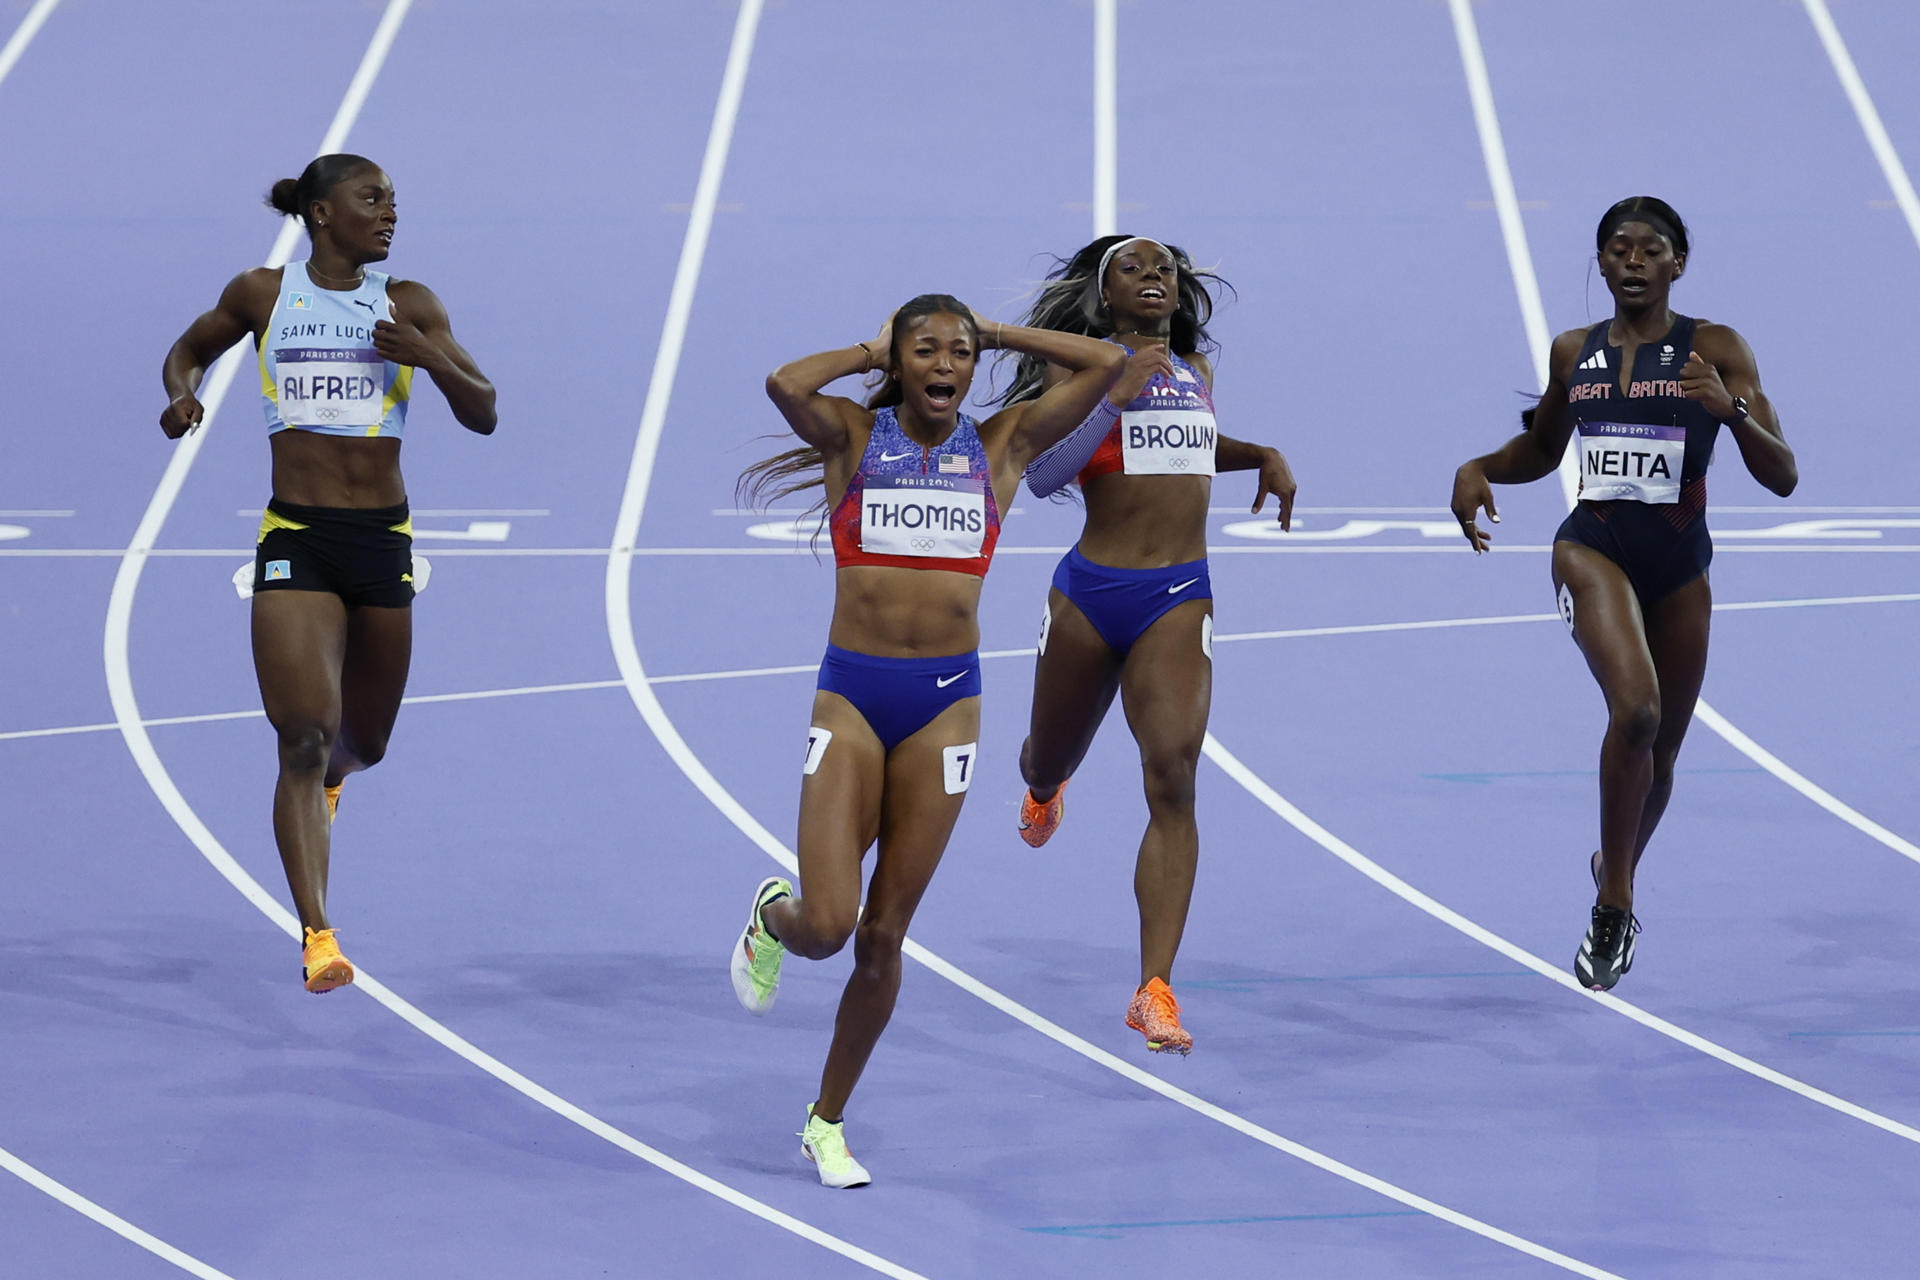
(420, 335)
(1528, 456)
(1727, 369)
(244, 306)
(825, 422)
(1033, 426)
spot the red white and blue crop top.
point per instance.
(916, 507)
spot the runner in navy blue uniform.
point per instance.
(1647, 393)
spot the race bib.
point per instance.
(330, 386)
(944, 517)
(1631, 462)
(1167, 442)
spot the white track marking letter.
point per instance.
(817, 740)
(958, 764)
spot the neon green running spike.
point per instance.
(826, 1145)
(757, 954)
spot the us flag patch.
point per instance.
(955, 464)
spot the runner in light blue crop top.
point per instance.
(319, 370)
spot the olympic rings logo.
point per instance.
(328, 415)
(920, 544)
(1178, 464)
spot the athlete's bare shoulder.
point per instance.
(1566, 351)
(1202, 365)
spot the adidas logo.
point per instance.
(1598, 360)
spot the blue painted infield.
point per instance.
(534, 871)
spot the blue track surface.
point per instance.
(536, 873)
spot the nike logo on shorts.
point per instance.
(949, 680)
(1178, 587)
(895, 457)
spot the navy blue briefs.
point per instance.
(1122, 603)
(899, 696)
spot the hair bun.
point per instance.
(282, 197)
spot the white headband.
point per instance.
(1101, 276)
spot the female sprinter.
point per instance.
(1131, 609)
(1647, 392)
(916, 489)
(332, 584)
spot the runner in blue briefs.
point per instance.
(337, 346)
(1646, 393)
(915, 489)
(1131, 610)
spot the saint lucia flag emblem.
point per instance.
(299, 302)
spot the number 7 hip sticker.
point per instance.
(817, 740)
(958, 762)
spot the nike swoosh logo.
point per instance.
(1178, 587)
(949, 680)
(895, 457)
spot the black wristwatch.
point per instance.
(1739, 412)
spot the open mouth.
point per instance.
(1153, 294)
(1633, 284)
(384, 235)
(941, 394)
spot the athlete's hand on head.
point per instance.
(989, 330)
(399, 340)
(182, 416)
(1276, 478)
(1701, 381)
(880, 346)
(1142, 366)
(1471, 492)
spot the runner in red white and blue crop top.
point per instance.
(915, 506)
(1131, 609)
(1646, 393)
(337, 346)
(915, 489)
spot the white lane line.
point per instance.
(23, 36)
(1867, 113)
(10, 56)
(1506, 203)
(639, 688)
(1106, 118)
(1228, 549)
(111, 1221)
(1538, 340)
(253, 513)
(126, 710)
(808, 668)
(1340, 849)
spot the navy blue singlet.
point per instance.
(1643, 462)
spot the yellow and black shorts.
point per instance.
(364, 555)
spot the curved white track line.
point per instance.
(808, 668)
(23, 36)
(111, 1221)
(640, 688)
(1293, 816)
(1367, 867)
(10, 56)
(1539, 341)
(132, 728)
(1866, 113)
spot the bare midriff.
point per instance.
(1145, 522)
(892, 612)
(315, 470)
